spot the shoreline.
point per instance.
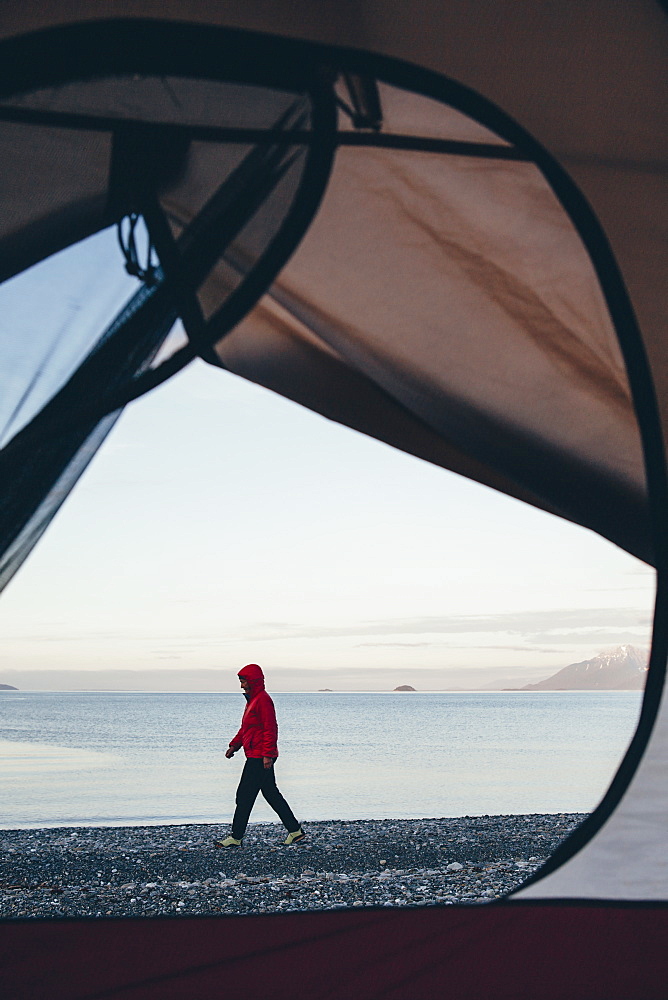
(176, 869)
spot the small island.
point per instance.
(324, 689)
(7, 687)
(404, 687)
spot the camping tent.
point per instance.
(440, 223)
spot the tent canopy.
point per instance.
(444, 285)
(442, 224)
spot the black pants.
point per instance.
(255, 778)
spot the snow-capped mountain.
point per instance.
(622, 669)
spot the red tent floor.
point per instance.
(499, 951)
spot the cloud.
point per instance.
(615, 590)
(359, 645)
(559, 625)
(186, 643)
(596, 636)
(514, 649)
(469, 646)
(545, 631)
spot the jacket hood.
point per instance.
(253, 674)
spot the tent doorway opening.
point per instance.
(219, 523)
(478, 348)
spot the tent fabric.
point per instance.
(486, 305)
(626, 858)
(483, 285)
(506, 951)
(467, 309)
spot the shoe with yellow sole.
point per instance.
(294, 838)
(228, 842)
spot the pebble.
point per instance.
(159, 870)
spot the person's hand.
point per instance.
(268, 761)
(230, 752)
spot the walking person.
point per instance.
(259, 737)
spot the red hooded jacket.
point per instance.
(259, 730)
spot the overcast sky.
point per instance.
(221, 524)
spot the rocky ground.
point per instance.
(156, 870)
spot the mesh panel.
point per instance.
(169, 100)
(52, 316)
(128, 143)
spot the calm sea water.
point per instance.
(81, 758)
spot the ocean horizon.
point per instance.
(309, 691)
(98, 758)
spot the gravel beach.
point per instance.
(157, 870)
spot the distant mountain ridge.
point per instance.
(622, 669)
